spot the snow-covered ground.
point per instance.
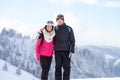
(99, 79)
(10, 74)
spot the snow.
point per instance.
(117, 62)
(96, 62)
(88, 62)
(1, 48)
(98, 79)
(11, 73)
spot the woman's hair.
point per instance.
(47, 30)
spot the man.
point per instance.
(64, 48)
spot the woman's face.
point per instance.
(49, 28)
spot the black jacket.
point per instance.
(64, 38)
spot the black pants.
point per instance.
(62, 60)
(45, 63)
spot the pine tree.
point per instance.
(5, 68)
(18, 71)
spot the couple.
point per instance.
(59, 40)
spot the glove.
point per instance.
(71, 55)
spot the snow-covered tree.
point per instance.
(89, 61)
(5, 68)
(18, 71)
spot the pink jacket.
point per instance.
(46, 49)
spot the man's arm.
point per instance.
(72, 41)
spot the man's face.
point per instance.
(60, 21)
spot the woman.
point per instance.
(44, 48)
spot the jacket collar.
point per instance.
(62, 26)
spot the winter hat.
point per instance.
(60, 16)
(50, 23)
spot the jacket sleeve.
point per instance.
(72, 41)
(37, 47)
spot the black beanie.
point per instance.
(60, 16)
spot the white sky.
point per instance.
(97, 27)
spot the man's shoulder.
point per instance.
(69, 28)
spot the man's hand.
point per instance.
(71, 55)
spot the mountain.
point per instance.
(92, 61)
(88, 62)
(18, 50)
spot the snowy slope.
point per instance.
(11, 73)
(98, 79)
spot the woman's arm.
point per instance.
(37, 47)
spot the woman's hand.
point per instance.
(38, 58)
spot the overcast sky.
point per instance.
(95, 22)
